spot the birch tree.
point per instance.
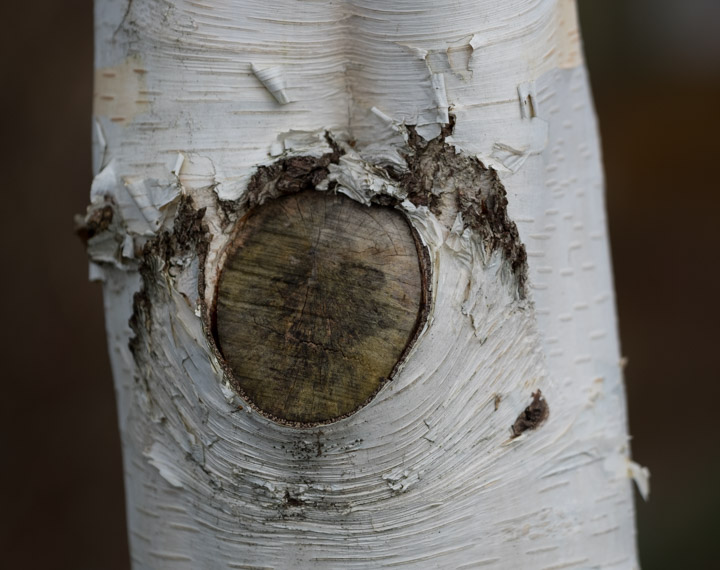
(357, 286)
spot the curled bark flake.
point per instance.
(97, 221)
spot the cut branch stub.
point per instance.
(318, 301)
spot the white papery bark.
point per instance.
(191, 97)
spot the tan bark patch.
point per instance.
(568, 34)
(120, 91)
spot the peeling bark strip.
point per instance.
(319, 299)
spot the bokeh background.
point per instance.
(655, 70)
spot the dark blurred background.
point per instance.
(655, 70)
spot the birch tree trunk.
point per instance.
(481, 419)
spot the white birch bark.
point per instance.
(191, 98)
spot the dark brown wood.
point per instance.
(318, 300)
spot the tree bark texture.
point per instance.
(358, 293)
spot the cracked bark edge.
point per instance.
(189, 237)
(283, 177)
(480, 196)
